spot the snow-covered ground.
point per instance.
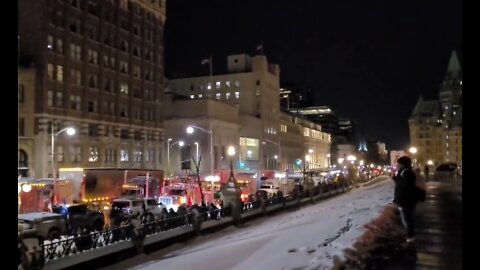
(307, 238)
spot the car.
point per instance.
(446, 171)
(135, 205)
(80, 216)
(47, 226)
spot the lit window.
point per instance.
(93, 157)
(92, 57)
(124, 88)
(209, 86)
(218, 85)
(192, 96)
(59, 73)
(218, 96)
(50, 71)
(137, 154)
(59, 47)
(200, 95)
(50, 99)
(124, 155)
(227, 83)
(76, 154)
(227, 95)
(237, 84)
(237, 95)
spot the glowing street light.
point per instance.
(430, 162)
(169, 145)
(70, 132)
(413, 151)
(191, 129)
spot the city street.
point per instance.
(309, 237)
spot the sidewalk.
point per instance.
(438, 234)
(439, 228)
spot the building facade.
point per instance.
(26, 118)
(265, 137)
(436, 125)
(99, 69)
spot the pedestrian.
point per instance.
(426, 171)
(406, 195)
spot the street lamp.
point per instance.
(430, 162)
(279, 148)
(413, 151)
(169, 145)
(70, 132)
(196, 144)
(231, 153)
(191, 129)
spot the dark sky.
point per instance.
(369, 60)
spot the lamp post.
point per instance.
(169, 145)
(413, 151)
(328, 160)
(196, 144)
(70, 131)
(279, 149)
(231, 153)
(191, 129)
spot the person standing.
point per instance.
(405, 195)
(426, 171)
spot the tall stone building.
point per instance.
(241, 108)
(436, 125)
(98, 68)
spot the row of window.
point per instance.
(218, 95)
(92, 58)
(92, 7)
(75, 25)
(218, 85)
(92, 106)
(57, 73)
(109, 155)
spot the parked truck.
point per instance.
(105, 184)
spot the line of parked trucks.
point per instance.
(86, 197)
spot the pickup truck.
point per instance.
(80, 216)
(269, 189)
(47, 226)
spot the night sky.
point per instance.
(369, 60)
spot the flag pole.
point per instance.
(210, 62)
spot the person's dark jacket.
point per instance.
(405, 192)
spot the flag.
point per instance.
(205, 61)
(260, 48)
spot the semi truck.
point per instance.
(105, 184)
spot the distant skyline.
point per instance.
(368, 60)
